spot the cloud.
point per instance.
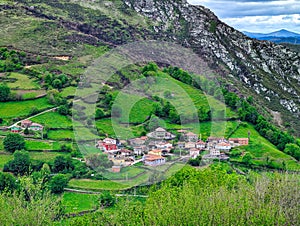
(256, 15)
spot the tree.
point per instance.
(13, 142)
(57, 83)
(106, 199)
(58, 183)
(19, 165)
(64, 109)
(247, 159)
(4, 92)
(99, 114)
(98, 161)
(293, 150)
(196, 161)
(7, 182)
(62, 165)
(167, 94)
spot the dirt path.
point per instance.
(41, 113)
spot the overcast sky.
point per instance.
(256, 15)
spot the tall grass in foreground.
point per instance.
(210, 197)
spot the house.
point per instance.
(154, 160)
(15, 129)
(26, 123)
(125, 152)
(201, 144)
(110, 141)
(214, 152)
(194, 153)
(239, 141)
(137, 141)
(191, 137)
(161, 134)
(110, 147)
(164, 145)
(180, 145)
(223, 146)
(36, 127)
(216, 139)
(139, 150)
(155, 152)
(223, 156)
(116, 169)
(190, 145)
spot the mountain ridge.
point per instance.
(267, 71)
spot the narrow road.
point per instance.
(97, 193)
(41, 113)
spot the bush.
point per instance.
(58, 183)
(13, 142)
(106, 199)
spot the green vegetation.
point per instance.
(11, 110)
(53, 120)
(87, 184)
(76, 202)
(22, 82)
(61, 135)
(13, 142)
(263, 151)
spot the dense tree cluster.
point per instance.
(11, 60)
(55, 81)
(4, 92)
(13, 142)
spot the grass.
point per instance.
(38, 146)
(126, 173)
(69, 91)
(135, 109)
(261, 148)
(74, 202)
(22, 82)
(22, 108)
(53, 120)
(41, 156)
(61, 135)
(87, 184)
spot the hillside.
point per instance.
(58, 106)
(264, 70)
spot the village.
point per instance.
(159, 146)
(156, 148)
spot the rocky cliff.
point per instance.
(268, 71)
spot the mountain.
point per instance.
(268, 72)
(281, 36)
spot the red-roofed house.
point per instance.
(154, 160)
(223, 146)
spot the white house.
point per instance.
(194, 153)
(191, 137)
(201, 144)
(214, 152)
(223, 146)
(110, 141)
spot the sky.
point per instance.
(261, 16)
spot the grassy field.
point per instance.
(42, 156)
(69, 91)
(261, 148)
(74, 202)
(61, 134)
(87, 184)
(22, 108)
(22, 82)
(35, 145)
(135, 109)
(53, 120)
(105, 127)
(127, 172)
